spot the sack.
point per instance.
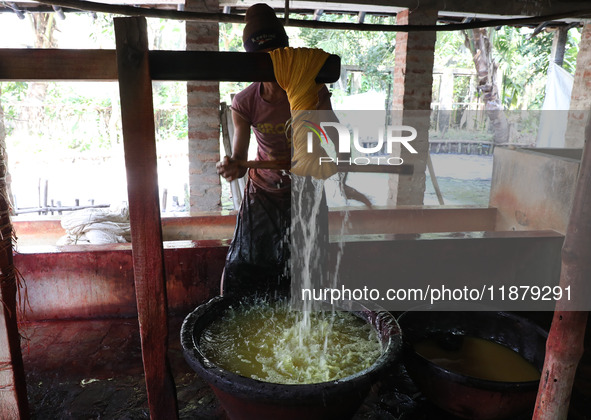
(96, 226)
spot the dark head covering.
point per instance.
(263, 29)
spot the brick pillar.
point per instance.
(203, 103)
(580, 100)
(412, 91)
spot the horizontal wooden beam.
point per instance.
(226, 66)
(57, 64)
(486, 9)
(101, 65)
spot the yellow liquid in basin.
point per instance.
(480, 358)
(272, 343)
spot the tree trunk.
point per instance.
(4, 157)
(478, 42)
(33, 114)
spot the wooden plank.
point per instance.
(100, 65)
(135, 87)
(57, 64)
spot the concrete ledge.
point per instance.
(472, 259)
(413, 219)
(404, 219)
(97, 282)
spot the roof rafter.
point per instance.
(128, 10)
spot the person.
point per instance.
(259, 254)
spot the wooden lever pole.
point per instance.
(341, 167)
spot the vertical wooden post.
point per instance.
(565, 344)
(135, 88)
(13, 389)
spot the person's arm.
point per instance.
(228, 167)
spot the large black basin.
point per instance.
(464, 396)
(247, 398)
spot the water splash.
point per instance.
(263, 340)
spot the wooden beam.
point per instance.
(482, 9)
(19, 13)
(59, 12)
(361, 17)
(57, 64)
(100, 65)
(575, 14)
(565, 344)
(135, 87)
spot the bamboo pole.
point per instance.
(341, 167)
(565, 344)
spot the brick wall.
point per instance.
(580, 101)
(412, 91)
(203, 102)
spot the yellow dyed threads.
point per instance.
(296, 70)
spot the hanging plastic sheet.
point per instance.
(554, 116)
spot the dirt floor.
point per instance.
(92, 369)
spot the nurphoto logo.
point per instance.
(389, 136)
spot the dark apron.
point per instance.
(259, 259)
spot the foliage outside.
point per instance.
(94, 115)
(85, 117)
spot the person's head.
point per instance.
(263, 30)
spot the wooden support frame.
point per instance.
(566, 340)
(101, 65)
(135, 67)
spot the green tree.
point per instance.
(523, 61)
(371, 51)
(451, 51)
(478, 41)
